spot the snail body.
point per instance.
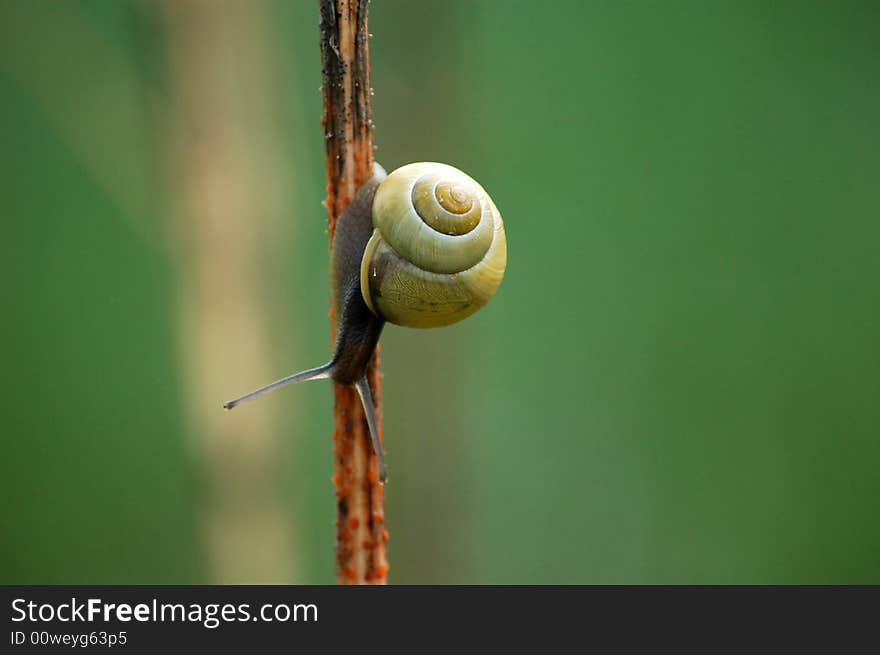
(421, 247)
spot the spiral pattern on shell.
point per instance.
(438, 250)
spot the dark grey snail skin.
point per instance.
(358, 328)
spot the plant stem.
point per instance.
(221, 126)
(348, 129)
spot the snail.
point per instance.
(421, 247)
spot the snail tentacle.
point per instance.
(318, 373)
(363, 389)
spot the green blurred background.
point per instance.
(676, 383)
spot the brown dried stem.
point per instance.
(348, 129)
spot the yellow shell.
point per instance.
(437, 253)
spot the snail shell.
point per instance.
(437, 253)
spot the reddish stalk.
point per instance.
(348, 128)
